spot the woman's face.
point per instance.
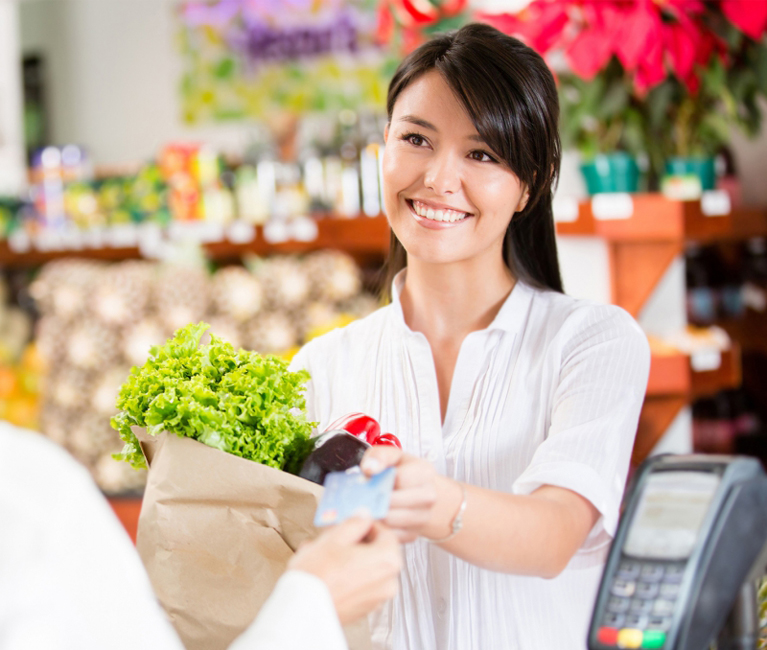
(448, 196)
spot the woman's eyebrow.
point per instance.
(418, 122)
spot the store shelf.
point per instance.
(127, 509)
(673, 374)
(356, 236)
(653, 217)
(672, 385)
(670, 374)
(645, 233)
(361, 237)
(728, 375)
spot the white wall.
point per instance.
(113, 77)
(12, 163)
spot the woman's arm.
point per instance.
(534, 534)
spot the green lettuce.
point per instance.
(237, 401)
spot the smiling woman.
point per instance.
(516, 405)
(496, 100)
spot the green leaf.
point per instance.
(237, 401)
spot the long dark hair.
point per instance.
(511, 98)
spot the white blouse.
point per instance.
(548, 394)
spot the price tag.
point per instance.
(612, 206)
(706, 360)
(150, 241)
(210, 231)
(304, 229)
(715, 203)
(48, 240)
(277, 231)
(565, 209)
(93, 238)
(71, 239)
(241, 232)
(19, 242)
(123, 236)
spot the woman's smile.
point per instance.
(432, 215)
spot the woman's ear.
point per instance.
(523, 200)
(386, 132)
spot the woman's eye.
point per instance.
(481, 156)
(415, 139)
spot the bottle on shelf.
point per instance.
(702, 303)
(754, 255)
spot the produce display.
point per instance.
(99, 319)
(20, 364)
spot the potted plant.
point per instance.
(668, 79)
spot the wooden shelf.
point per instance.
(672, 374)
(362, 237)
(728, 375)
(656, 218)
(672, 385)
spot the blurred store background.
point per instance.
(163, 162)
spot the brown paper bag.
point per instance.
(216, 532)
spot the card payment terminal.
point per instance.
(692, 529)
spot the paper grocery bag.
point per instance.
(216, 532)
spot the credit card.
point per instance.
(346, 493)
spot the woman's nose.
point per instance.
(443, 174)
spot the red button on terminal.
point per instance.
(607, 636)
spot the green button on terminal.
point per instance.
(653, 639)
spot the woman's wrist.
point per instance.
(450, 502)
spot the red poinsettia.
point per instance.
(750, 16)
(651, 38)
(411, 17)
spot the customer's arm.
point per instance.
(71, 579)
(340, 577)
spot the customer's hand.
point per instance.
(423, 503)
(359, 560)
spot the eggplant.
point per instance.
(334, 451)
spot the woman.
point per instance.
(516, 405)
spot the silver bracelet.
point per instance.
(457, 524)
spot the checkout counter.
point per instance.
(682, 568)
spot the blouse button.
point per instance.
(442, 606)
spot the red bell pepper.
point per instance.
(388, 439)
(365, 428)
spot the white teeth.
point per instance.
(450, 216)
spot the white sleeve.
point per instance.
(298, 615)
(604, 367)
(70, 576)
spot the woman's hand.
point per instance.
(423, 503)
(359, 560)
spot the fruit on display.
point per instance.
(334, 276)
(123, 292)
(237, 293)
(285, 280)
(272, 330)
(98, 319)
(21, 366)
(181, 295)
